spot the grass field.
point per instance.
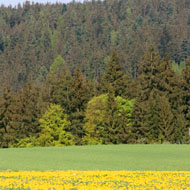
(101, 157)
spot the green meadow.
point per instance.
(99, 157)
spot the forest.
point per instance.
(97, 72)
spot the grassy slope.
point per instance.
(105, 157)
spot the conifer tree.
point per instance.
(7, 132)
(57, 67)
(79, 91)
(80, 96)
(171, 84)
(147, 71)
(26, 113)
(162, 120)
(115, 79)
(156, 79)
(64, 92)
(58, 90)
(111, 122)
(186, 97)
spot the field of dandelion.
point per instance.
(96, 167)
(93, 180)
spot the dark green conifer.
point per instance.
(80, 97)
(116, 80)
(7, 132)
(157, 84)
(26, 113)
(186, 97)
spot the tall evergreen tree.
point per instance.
(58, 90)
(26, 113)
(164, 42)
(116, 80)
(156, 79)
(186, 97)
(80, 96)
(7, 132)
(162, 120)
(185, 50)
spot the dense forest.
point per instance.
(97, 72)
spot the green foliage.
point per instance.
(126, 107)
(6, 129)
(178, 68)
(95, 120)
(26, 143)
(157, 105)
(185, 50)
(185, 97)
(81, 93)
(161, 120)
(115, 38)
(53, 128)
(58, 65)
(26, 111)
(36, 35)
(97, 126)
(84, 36)
(128, 12)
(116, 80)
(54, 39)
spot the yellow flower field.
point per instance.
(82, 180)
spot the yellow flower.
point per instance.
(89, 180)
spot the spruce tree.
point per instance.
(164, 120)
(156, 79)
(116, 79)
(7, 131)
(145, 85)
(80, 97)
(186, 98)
(26, 113)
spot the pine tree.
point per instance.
(57, 68)
(7, 132)
(156, 79)
(164, 42)
(80, 92)
(186, 97)
(165, 120)
(26, 113)
(64, 92)
(145, 85)
(80, 97)
(111, 121)
(58, 90)
(171, 84)
(116, 79)
(185, 50)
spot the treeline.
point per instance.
(84, 34)
(60, 83)
(73, 110)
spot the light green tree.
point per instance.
(53, 125)
(95, 115)
(101, 127)
(58, 66)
